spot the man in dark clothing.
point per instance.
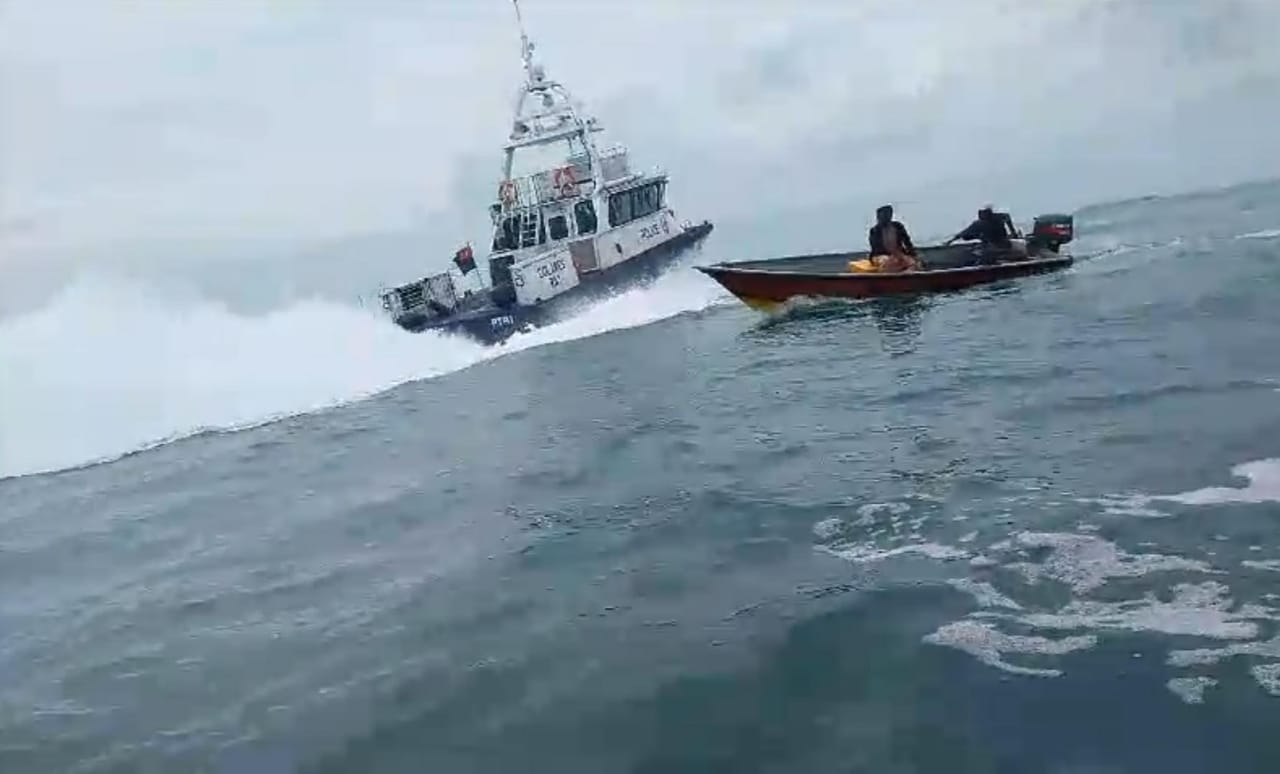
(994, 229)
(888, 236)
(891, 247)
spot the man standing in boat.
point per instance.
(891, 246)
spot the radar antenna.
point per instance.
(544, 110)
(526, 47)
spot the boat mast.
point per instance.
(526, 48)
(556, 100)
(526, 56)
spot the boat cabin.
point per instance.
(536, 212)
(569, 199)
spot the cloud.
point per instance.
(157, 134)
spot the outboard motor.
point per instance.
(1051, 232)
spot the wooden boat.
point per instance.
(767, 284)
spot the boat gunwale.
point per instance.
(738, 268)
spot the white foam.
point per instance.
(1085, 562)
(985, 594)
(1203, 610)
(1203, 656)
(1001, 546)
(1200, 610)
(828, 528)
(1263, 477)
(869, 514)
(1267, 234)
(1136, 505)
(987, 644)
(1264, 486)
(1191, 689)
(1268, 676)
(109, 367)
(1196, 610)
(867, 553)
(1267, 565)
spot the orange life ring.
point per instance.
(564, 181)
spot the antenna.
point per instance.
(526, 48)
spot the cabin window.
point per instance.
(620, 208)
(585, 213)
(557, 227)
(626, 206)
(508, 237)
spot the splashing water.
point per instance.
(110, 367)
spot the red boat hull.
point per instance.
(765, 288)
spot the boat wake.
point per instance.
(108, 368)
(1273, 233)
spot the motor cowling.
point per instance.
(1053, 231)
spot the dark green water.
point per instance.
(996, 531)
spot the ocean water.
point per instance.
(1028, 527)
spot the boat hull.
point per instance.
(767, 285)
(493, 324)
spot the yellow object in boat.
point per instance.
(862, 266)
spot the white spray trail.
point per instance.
(107, 368)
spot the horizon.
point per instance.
(191, 143)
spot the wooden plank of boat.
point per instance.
(765, 285)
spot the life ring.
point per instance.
(564, 181)
(507, 192)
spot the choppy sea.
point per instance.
(1032, 527)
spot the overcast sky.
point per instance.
(155, 135)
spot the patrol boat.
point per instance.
(565, 234)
